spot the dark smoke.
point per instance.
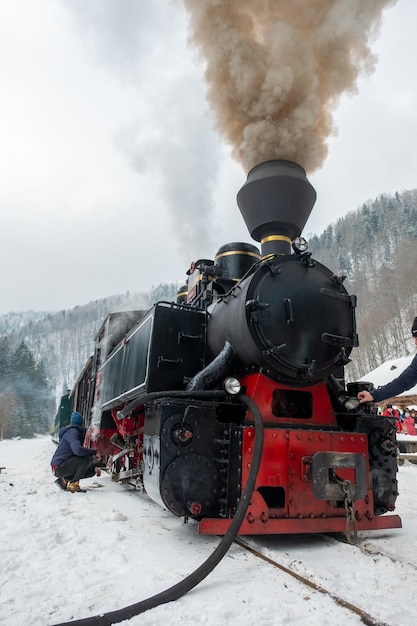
(276, 69)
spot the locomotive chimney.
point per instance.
(276, 202)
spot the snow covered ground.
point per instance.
(67, 556)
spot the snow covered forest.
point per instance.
(42, 354)
(374, 247)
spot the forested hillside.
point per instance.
(60, 343)
(374, 247)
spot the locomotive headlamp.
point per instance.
(299, 245)
(232, 386)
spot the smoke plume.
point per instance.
(276, 69)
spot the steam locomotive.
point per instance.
(170, 394)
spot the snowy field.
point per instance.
(68, 556)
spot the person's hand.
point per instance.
(365, 396)
(98, 456)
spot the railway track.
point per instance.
(373, 551)
(320, 563)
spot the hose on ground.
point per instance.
(180, 589)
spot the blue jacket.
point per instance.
(403, 382)
(71, 440)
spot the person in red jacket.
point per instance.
(389, 411)
(71, 460)
(409, 424)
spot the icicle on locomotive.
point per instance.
(162, 394)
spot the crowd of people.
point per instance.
(405, 421)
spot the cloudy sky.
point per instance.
(112, 176)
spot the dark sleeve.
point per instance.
(403, 382)
(76, 448)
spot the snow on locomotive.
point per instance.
(163, 395)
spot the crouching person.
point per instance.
(72, 461)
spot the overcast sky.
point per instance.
(112, 177)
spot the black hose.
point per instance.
(215, 370)
(181, 588)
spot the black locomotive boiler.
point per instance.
(175, 396)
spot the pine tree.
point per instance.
(25, 401)
(6, 392)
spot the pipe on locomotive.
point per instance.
(275, 203)
(214, 371)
